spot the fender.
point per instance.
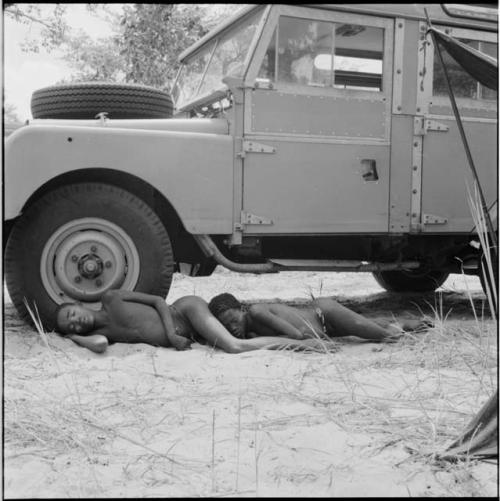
(193, 170)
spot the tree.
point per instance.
(10, 113)
(53, 25)
(153, 37)
(94, 60)
(143, 46)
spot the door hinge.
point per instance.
(253, 147)
(431, 219)
(247, 218)
(435, 126)
(422, 125)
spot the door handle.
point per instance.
(369, 170)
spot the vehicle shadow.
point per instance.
(447, 303)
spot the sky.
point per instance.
(23, 72)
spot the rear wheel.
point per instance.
(80, 240)
(411, 280)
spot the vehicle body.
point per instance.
(306, 137)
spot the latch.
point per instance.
(431, 219)
(253, 147)
(247, 218)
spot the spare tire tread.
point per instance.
(86, 99)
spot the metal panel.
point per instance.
(401, 174)
(465, 112)
(416, 184)
(397, 88)
(175, 163)
(423, 79)
(317, 188)
(277, 112)
(446, 173)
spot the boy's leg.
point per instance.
(342, 321)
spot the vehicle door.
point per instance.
(445, 170)
(317, 124)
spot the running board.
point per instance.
(340, 265)
(274, 265)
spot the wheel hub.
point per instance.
(90, 266)
(86, 257)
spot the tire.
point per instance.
(80, 240)
(87, 99)
(410, 281)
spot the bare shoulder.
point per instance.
(257, 310)
(189, 302)
(110, 295)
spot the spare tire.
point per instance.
(85, 100)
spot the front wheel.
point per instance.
(411, 280)
(78, 241)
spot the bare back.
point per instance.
(304, 320)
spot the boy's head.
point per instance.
(74, 318)
(230, 313)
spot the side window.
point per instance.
(299, 43)
(359, 52)
(462, 83)
(318, 53)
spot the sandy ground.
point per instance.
(140, 421)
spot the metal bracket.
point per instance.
(431, 219)
(435, 126)
(247, 218)
(422, 125)
(253, 147)
(102, 117)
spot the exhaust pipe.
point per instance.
(211, 250)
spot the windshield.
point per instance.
(202, 73)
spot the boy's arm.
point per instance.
(94, 342)
(157, 302)
(278, 325)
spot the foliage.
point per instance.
(144, 43)
(94, 60)
(10, 113)
(153, 36)
(53, 25)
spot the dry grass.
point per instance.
(145, 422)
(217, 431)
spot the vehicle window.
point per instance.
(229, 56)
(189, 79)
(359, 54)
(463, 85)
(202, 73)
(299, 42)
(301, 53)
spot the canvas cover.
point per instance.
(479, 440)
(477, 64)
